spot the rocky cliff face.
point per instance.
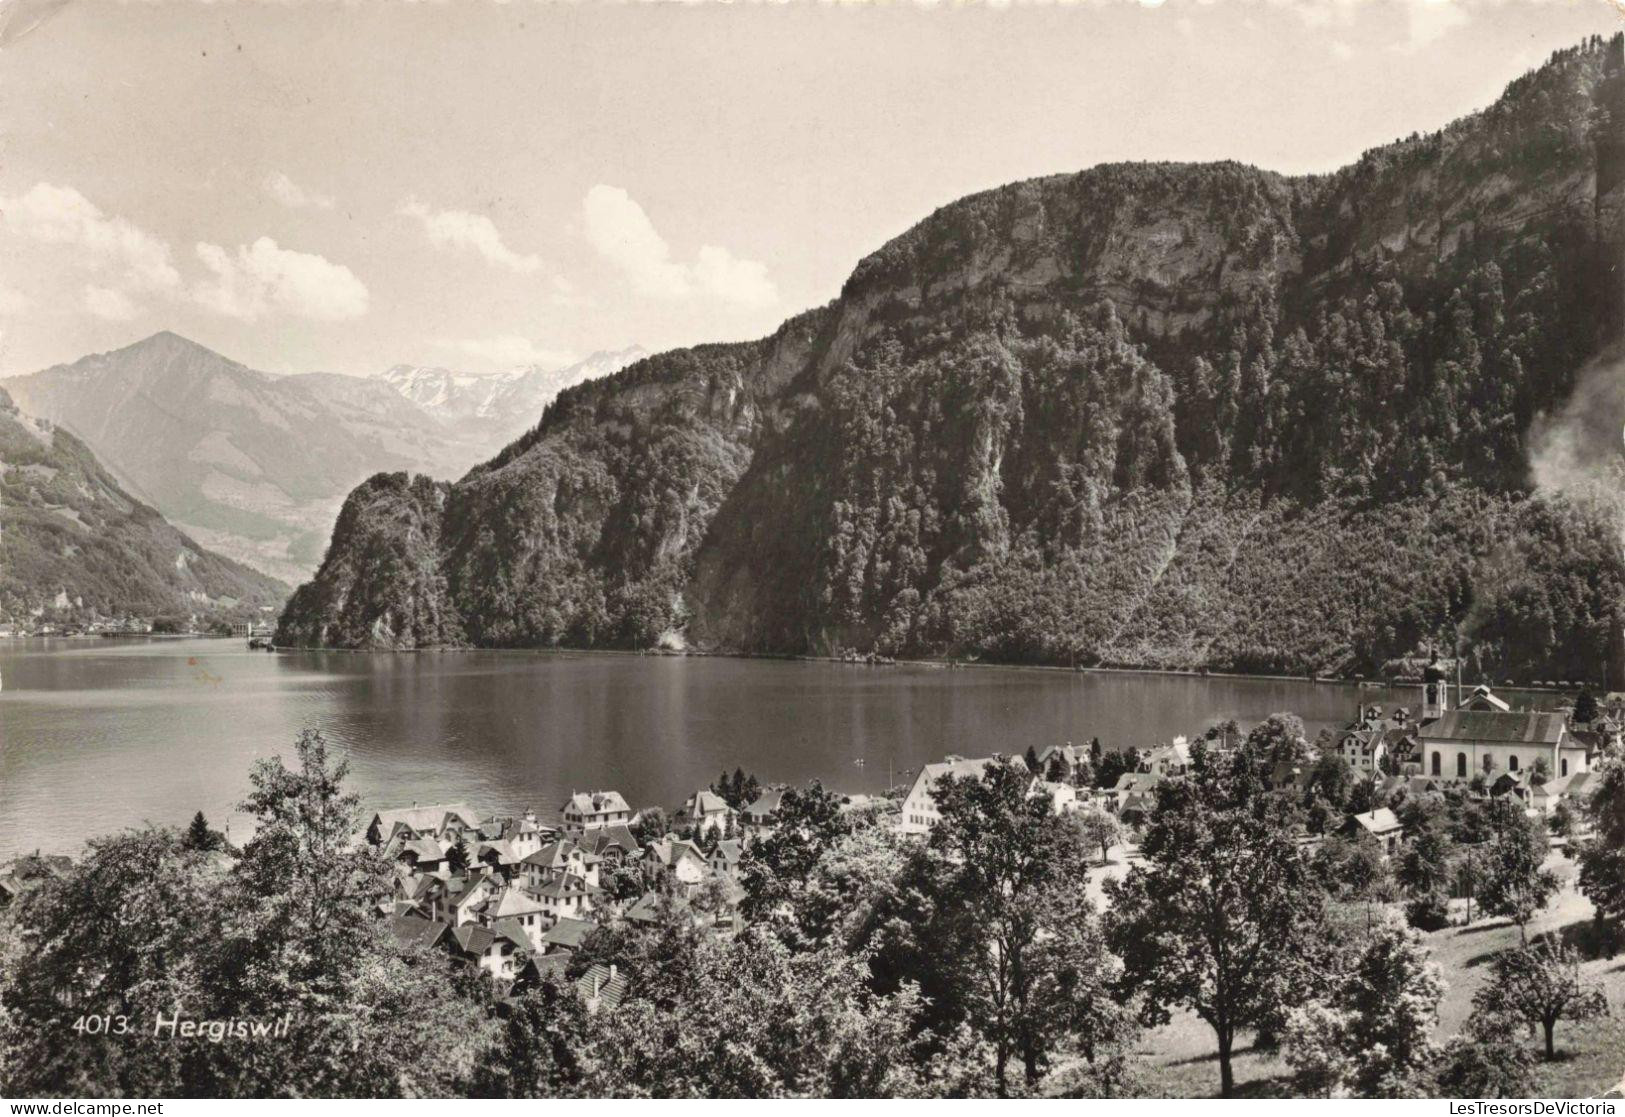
(1160, 414)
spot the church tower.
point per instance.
(1435, 692)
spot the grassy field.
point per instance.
(1180, 1059)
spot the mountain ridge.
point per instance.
(255, 465)
(73, 540)
(1151, 414)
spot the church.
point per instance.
(1482, 734)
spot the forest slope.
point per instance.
(1162, 414)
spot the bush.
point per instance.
(1428, 912)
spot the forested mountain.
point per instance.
(1156, 414)
(73, 542)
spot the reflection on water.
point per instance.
(96, 735)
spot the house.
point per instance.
(433, 822)
(1483, 700)
(562, 856)
(589, 810)
(724, 860)
(762, 815)
(1461, 743)
(704, 810)
(1575, 789)
(1063, 797)
(487, 950)
(646, 911)
(1168, 760)
(566, 896)
(1065, 761)
(1364, 742)
(920, 812)
(613, 845)
(568, 934)
(675, 861)
(602, 987)
(527, 911)
(1382, 825)
(1134, 792)
(466, 896)
(413, 932)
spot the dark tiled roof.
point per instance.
(610, 990)
(413, 930)
(1512, 727)
(569, 933)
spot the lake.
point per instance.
(100, 734)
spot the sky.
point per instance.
(349, 186)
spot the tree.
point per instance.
(1391, 997)
(775, 868)
(1585, 708)
(1330, 778)
(1279, 739)
(541, 1051)
(1540, 984)
(738, 790)
(650, 825)
(1373, 1033)
(1100, 831)
(1313, 1044)
(1032, 760)
(1027, 951)
(749, 1018)
(1514, 884)
(201, 838)
(1424, 867)
(1540, 771)
(457, 856)
(1473, 1066)
(1224, 917)
(1602, 856)
(118, 935)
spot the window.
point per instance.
(1436, 761)
(1565, 764)
(1512, 763)
(1489, 764)
(1461, 765)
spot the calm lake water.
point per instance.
(97, 735)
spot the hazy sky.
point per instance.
(349, 186)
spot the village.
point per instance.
(513, 898)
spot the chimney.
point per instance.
(612, 971)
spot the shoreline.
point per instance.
(1383, 683)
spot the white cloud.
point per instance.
(726, 276)
(623, 234)
(457, 228)
(261, 277)
(62, 215)
(617, 226)
(510, 350)
(294, 196)
(1431, 20)
(105, 302)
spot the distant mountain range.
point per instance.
(505, 401)
(72, 539)
(256, 466)
(1155, 414)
